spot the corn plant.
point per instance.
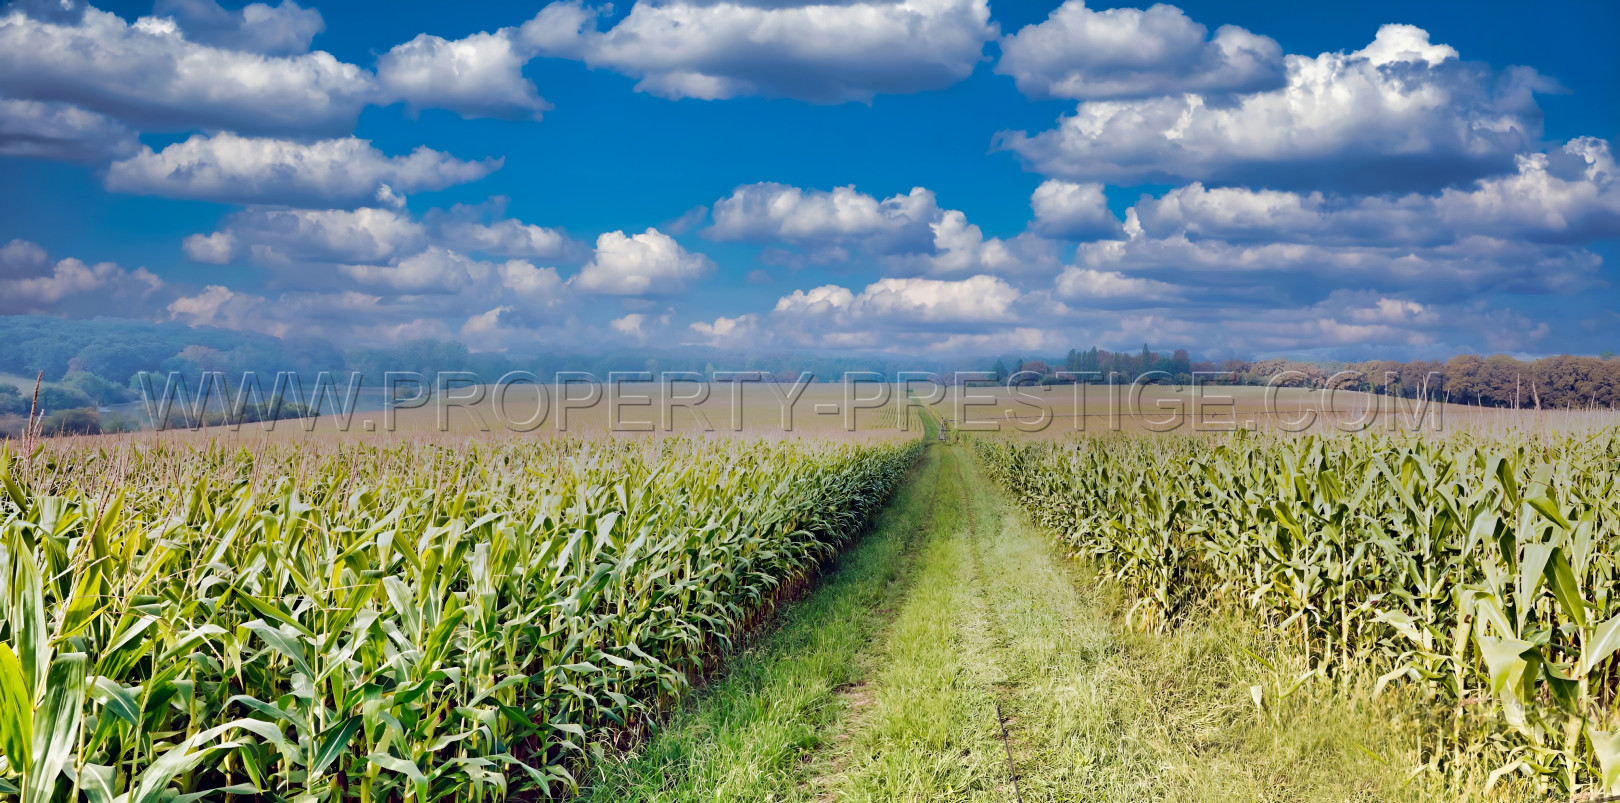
(403, 622)
(1482, 570)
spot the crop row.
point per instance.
(403, 622)
(1482, 571)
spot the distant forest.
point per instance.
(1558, 382)
(90, 365)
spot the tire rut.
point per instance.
(856, 696)
(998, 638)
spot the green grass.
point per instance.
(931, 731)
(747, 736)
(847, 703)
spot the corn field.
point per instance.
(402, 622)
(1480, 570)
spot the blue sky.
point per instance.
(924, 176)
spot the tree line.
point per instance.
(1557, 382)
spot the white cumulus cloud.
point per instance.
(910, 233)
(1292, 272)
(477, 76)
(62, 131)
(739, 332)
(1072, 211)
(215, 249)
(960, 247)
(822, 53)
(640, 327)
(227, 167)
(640, 264)
(825, 221)
(1346, 323)
(434, 270)
(975, 299)
(30, 283)
(1091, 287)
(388, 246)
(149, 74)
(1570, 195)
(481, 228)
(914, 314)
(280, 30)
(1400, 114)
(1081, 54)
(285, 236)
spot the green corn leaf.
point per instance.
(1405, 625)
(269, 611)
(1605, 640)
(153, 783)
(401, 766)
(1531, 574)
(332, 744)
(14, 491)
(1481, 529)
(28, 628)
(16, 710)
(1561, 580)
(282, 643)
(85, 606)
(211, 794)
(56, 725)
(269, 732)
(1549, 508)
(1564, 690)
(1606, 744)
(96, 780)
(116, 700)
(1505, 659)
(191, 640)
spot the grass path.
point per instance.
(955, 655)
(747, 736)
(932, 732)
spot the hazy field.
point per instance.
(630, 410)
(1058, 411)
(758, 410)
